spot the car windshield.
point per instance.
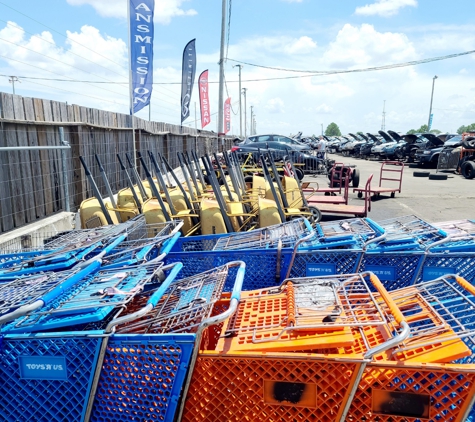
(285, 139)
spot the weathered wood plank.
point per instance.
(26, 162)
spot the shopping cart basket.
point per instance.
(50, 356)
(62, 260)
(145, 250)
(312, 253)
(340, 348)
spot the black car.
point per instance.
(413, 143)
(429, 155)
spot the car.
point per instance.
(308, 161)
(384, 142)
(261, 139)
(414, 141)
(429, 155)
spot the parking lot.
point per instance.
(432, 200)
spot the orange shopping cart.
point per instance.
(340, 348)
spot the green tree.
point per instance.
(469, 128)
(332, 130)
(424, 129)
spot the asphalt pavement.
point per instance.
(431, 200)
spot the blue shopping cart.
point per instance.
(116, 346)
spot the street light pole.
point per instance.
(12, 80)
(221, 75)
(245, 112)
(250, 131)
(431, 98)
(240, 106)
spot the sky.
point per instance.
(290, 51)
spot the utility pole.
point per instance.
(383, 122)
(245, 112)
(12, 80)
(221, 75)
(429, 123)
(240, 106)
(322, 128)
(252, 119)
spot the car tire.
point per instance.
(421, 173)
(468, 170)
(469, 144)
(437, 177)
(355, 178)
(412, 165)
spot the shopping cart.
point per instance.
(126, 354)
(397, 256)
(62, 260)
(341, 348)
(145, 250)
(50, 356)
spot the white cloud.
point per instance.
(275, 106)
(384, 7)
(364, 46)
(165, 10)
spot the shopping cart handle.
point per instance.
(236, 293)
(170, 243)
(390, 343)
(308, 225)
(395, 311)
(152, 302)
(375, 226)
(177, 266)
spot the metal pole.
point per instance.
(240, 106)
(221, 75)
(251, 132)
(196, 120)
(12, 80)
(245, 111)
(322, 128)
(131, 96)
(431, 98)
(65, 173)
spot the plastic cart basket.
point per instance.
(62, 260)
(315, 254)
(143, 371)
(48, 375)
(42, 245)
(340, 348)
(461, 236)
(146, 250)
(405, 233)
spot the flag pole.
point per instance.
(131, 95)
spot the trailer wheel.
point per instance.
(468, 169)
(355, 178)
(393, 194)
(299, 173)
(316, 215)
(421, 173)
(360, 194)
(438, 177)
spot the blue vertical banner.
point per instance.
(430, 120)
(141, 53)
(187, 78)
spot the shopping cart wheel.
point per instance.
(316, 215)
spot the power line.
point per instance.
(368, 69)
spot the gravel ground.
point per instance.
(431, 200)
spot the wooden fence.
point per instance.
(31, 181)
